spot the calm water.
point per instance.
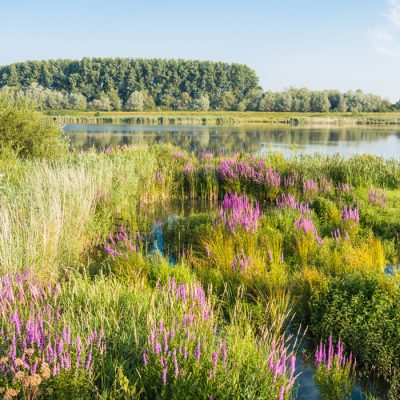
(288, 140)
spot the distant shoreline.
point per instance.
(225, 118)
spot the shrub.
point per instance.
(364, 311)
(27, 132)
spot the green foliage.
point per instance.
(165, 81)
(363, 310)
(28, 133)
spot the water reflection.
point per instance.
(259, 140)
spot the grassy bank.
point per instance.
(225, 118)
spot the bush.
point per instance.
(27, 132)
(364, 311)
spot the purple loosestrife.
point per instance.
(325, 185)
(206, 155)
(241, 262)
(178, 154)
(38, 341)
(376, 198)
(188, 169)
(337, 235)
(280, 366)
(349, 214)
(239, 212)
(290, 181)
(121, 245)
(187, 353)
(333, 357)
(310, 187)
(250, 171)
(288, 200)
(335, 373)
(344, 188)
(159, 177)
(306, 224)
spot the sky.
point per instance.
(319, 44)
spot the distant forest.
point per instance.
(106, 84)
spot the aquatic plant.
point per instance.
(325, 185)
(289, 200)
(337, 234)
(344, 188)
(306, 224)
(120, 245)
(376, 198)
(37, 344)
(253, 171)
(239, 212)
(159, 177)
(310, 188)
(290, 181)
(206, 155)
(349, 214)
(178, 154)
(335, 375)
(188, 169)
(241, 263)
(188, 353)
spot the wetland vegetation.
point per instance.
(272, 263)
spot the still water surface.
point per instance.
(256, 140)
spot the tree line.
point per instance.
(106, 84)
(137, 83)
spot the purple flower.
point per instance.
(306, 224)
(145, 361)
(238, 211)
(349, 214)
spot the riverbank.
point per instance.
(225, 118)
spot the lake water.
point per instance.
(256, 140)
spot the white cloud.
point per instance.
(386, 38)
(393, 14)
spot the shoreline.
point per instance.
(227, 118)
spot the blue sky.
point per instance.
(344, 44)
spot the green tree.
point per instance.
(320, 102)
(135, 102)
(268, 102)
(102, 103)
(185, 101)
(115, 100)
(76, 101)
(283, 102)
(228, 100)
(203, 103)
